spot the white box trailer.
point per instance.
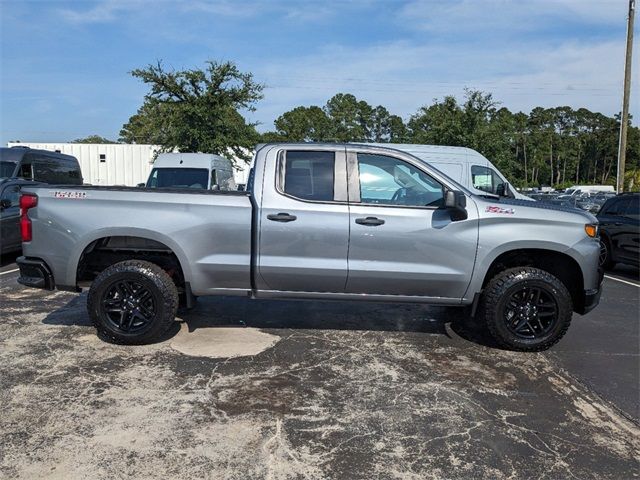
(106, 164)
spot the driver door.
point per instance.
(402, 241)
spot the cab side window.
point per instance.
(309, 175)
(390, 181)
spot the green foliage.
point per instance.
(196, 110)
(92, 139)
(557, 146)
(344, 118)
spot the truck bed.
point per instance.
(208, 231)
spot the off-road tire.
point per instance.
(498, 293)
(155, 280)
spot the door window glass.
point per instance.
(633, 207)
(25, 171)
(389, 181)
(12, 193)
(486, 179)
(309, 175)
(617, 208)
(195, 178)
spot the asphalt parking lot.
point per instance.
(275, 389)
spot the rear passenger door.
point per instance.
(304, 221)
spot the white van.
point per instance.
(191, 170)
(464, 165)
(578, 190)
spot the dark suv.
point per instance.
(619, 221)
(21, 166)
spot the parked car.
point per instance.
(39, 166)
(464, 165)
(191, 170)
(10, 240)
(578, 190)
(318, 221)
(620, 230)
(592, 202)
(20, 166)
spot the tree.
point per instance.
(196, 110)
(304, 124)
(92, 139)
(344, 118)
(441, 123)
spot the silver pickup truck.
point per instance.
(318, 221)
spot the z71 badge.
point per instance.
(494, 209)
(73, 195)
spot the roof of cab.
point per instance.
(190, 160)
(15, 154)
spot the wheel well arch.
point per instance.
(105, 251)
(558, 264)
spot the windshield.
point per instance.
(6, 169)
(179, 178)
(569, 191)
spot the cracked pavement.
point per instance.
(327, 390)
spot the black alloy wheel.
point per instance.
(531, 312)
(128, 306)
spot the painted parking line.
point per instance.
(9, 271)
(622, 281)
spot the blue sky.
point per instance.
(64, 65)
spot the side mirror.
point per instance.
(140, 185)
(5, 203)
(456, 202)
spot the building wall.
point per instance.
(114, 164)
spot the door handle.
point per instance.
(370, 221)
(281, 217)
(618, 224)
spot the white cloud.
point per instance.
(100, 13)
(404, 76)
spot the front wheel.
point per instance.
(527, 309)
(133, 302)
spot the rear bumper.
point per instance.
(35, 273)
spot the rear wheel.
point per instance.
(527, 309)
(133, 302)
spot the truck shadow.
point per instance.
(213, 312)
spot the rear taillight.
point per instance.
(27, 201)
